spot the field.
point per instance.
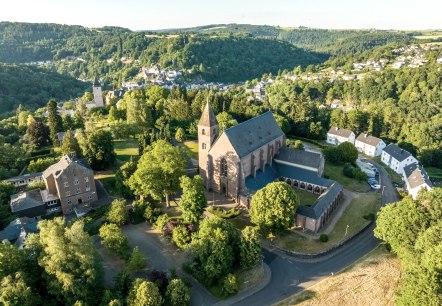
(108, 181)
(353, 217)
(370, 281)
(434, 173)
(306, 198)
(334, 172)
(191, 148)
(125, 149)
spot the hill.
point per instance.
(33, 87)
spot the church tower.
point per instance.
(207, 133)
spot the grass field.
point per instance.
(434, 173)
(191, 148)
(125, 149)
(370, 281)
(108, 181)
(334, 172)
(306, 198)
(353, 216)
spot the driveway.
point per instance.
(291, 275)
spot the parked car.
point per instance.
(375, 186)
(372, 180)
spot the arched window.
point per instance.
(223, 167)
(203, 131)
(203, 146)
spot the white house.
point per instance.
(336, 136)
(369, 145)
(416, 178)
(397, 158)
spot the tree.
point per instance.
(295, 144)
(122, 177)
(78, 260)
(230, 284)
(78, 120)
(136, 261)
(15, 292)
(225, 121)
(144, 293)
(100, 150)
(158, 172)
(193, 200)
(6, 190)
(177, 293)
(70, 144)
(283, 123)
(347, 152)
(41, 164)
(181, 236)
(23, 118)
(249, 248)
(112, 238)
(68, 123)
(273, 207)
(216, 248)
(37, 134)
(180, 135)
(55, 122)
(117, 213)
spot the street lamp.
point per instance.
(346, 229)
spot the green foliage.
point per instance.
(273, 207)
(193, 200)
(295, 144)
(413, 230)
(144, 293)
(37, 134)
(347, 152)
(180, 135)
(99, 149)
(230, 284)
(122, 177)
(216, 247)
(224, 213)
(283, 123)
(225, 121)
(117, 213)
(177, 293)
(138, 211)
(36, 185)
(151, 214)
(41, 164)
(181, 237)
(158, 171)
(136, 261)
(354, 172)
(112, 238)
(55, 122)
(15, 292)
(70, 144)
(249, 249)
(323, 238)
(161, 222)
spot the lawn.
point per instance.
(306, 198)
(108, 181)
(370, 281)
(335, 172)
(434, 173)
(353, 216)
(191, 148)
(125, 149)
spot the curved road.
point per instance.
(291, 275)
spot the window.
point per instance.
(78, 190)
(223, 167)
(68, 193)
(88, 188)
(69, 201)
(76, 182)
(89, 197)
(86, 179)
(203, 146)
(203, 131)
(66, 184)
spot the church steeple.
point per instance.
(208, 118)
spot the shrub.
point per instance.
(137, 261)
(169, 227)
(137, 213)
(323, 238)
(151, 214)
(230, 284)
(224, 213)
(181, 237)
(161, 222)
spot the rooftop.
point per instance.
(208, 117)
(252, 134)
(368, 139)
(299, 157)
(24, 176)
(25, 200)
(417, 176)
(397, 152)
(64, 162)
(339, 132)
(322, 203)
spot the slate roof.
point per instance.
(396, 152)
(339, 132)
(25, 200)
(322, 203)
(300, 157)
(208, 117)
(14, 228)
(252, 134)
(368, 139)
(62, 164)
(261, 180)
(23, 177)
(416, 176)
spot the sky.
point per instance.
(162, 14)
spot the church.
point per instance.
(242, 159)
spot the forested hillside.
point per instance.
(33, 87)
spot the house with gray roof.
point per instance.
(252, 154)
(416, 178)
(25, 179)
(336, 136)
(397, 158)
(28, 204)
(369, 145)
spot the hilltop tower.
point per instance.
(208, 132)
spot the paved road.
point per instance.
(290, 275)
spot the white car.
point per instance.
(375, 186)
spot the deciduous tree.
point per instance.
(193, 200)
